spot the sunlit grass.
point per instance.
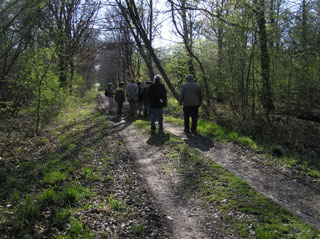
(247, 211)
(217, 132)
(314, 173)
(220, 133)
(117, 205)
(54, 176)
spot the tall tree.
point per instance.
(130, 12)
(69, 24)
(18, 21)
(266, 95)
(185, 30)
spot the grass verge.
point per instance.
(75, 180)
(303, 166)
(233, 207)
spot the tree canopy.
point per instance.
(258, 58)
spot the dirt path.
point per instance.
(299, 198)
(181, 215)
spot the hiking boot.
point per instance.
(194, 131)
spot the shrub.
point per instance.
(278, 150)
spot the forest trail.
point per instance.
(298, 197)
(182, 216)
(277, 184)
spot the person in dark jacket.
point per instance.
(145, 98)
(158, 100)
(190, 98)
(120, 97)
(110, 93)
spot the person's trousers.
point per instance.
(190, 111)
(139, 107)
(110, 104)
(120, 104)
(146, 110)
(133, 107)
(156, 114)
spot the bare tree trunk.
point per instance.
(266, 96)
(131, 16)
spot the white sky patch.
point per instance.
(167, 36)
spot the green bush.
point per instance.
(278, 150)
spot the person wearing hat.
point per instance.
(110, 93)
(158, 100)
(190, 98)
(132, 92)
(145, 98)
(120, 97)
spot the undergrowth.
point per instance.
(63, 182)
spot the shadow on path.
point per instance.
(200, 142)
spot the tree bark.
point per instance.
(266, 95)
(131, 16)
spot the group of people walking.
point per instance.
(151, 98)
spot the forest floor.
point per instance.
(92, 175)
(300, 197)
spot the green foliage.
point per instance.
(63, 215)
(314, 173)
(40, 77)
(28, 212)
(173, 107)
(53, 177)
(278, 150)
(76, 227)
(117, 205)
(218, 132)
(49, 196)
(73, 193)
(289, 162)
(90, 175)
(177, 65)
(43, 141)
(138, 230)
